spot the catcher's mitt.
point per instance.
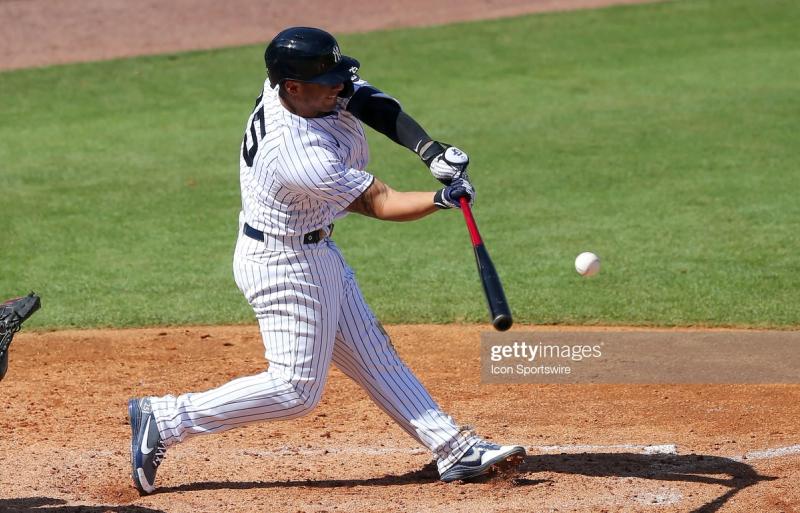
(12, 314)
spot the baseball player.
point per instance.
(303, 165)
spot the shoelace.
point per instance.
(161, 453)
(486, 446)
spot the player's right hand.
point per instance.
(448, 197)
(446, 162)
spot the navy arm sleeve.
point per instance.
(384, 114)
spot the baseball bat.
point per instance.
(492, 288)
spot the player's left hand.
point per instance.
(450, 196)
(447, 163)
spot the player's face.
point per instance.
(312, 100)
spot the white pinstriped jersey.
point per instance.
(299, 174)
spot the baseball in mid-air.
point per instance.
(587, 264)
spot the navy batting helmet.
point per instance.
(308, 55)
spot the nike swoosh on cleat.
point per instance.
(145, 449)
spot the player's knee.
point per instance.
(308, 395)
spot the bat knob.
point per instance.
(502, 322)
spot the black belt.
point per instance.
(309, 238)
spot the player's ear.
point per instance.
(291, 86)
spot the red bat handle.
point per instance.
(474, 234)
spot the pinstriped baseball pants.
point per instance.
(311, 313)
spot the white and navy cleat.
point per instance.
(484, 458)
(147, 448)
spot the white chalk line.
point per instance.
(358, 451)
(768, 454)
(379, 451)
(650, 449)
(577, 449)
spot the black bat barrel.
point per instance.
(493, 289)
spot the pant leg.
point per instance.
(364, 352)
(296, 298)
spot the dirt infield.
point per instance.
(592, 447)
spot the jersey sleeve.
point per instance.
(363, 91)
(314, 170)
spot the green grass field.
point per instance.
(662, 137)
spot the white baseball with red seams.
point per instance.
(587, 264)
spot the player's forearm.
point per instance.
(398, 126)
(383, 114)
(409, 133)
(382, 202)
(407, 206)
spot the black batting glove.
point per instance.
(450, 196)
